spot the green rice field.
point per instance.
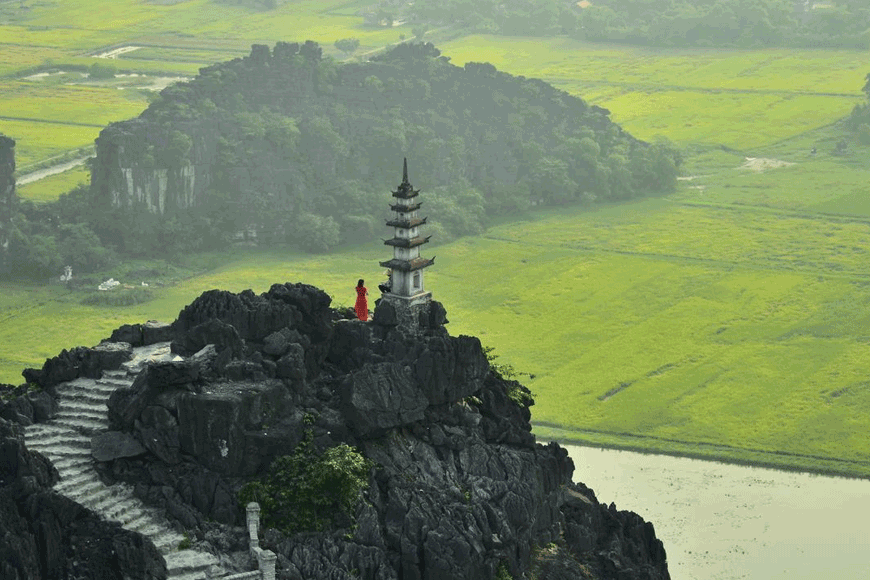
(742, 99)
(169, 39)
(51, 187)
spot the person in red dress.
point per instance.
(362, 303)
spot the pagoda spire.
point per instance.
(405, 173)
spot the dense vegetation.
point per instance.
(741, 23)
(307, 491)
(306, 152)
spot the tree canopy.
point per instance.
(732, 23)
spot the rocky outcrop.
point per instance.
(26, 405)
(7, 197)
(45, 535)
(460, 488)
(79, 362)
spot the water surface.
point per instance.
(721, 522)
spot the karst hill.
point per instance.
(386, 450)
(292, 146)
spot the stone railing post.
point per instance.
(267, 565)
(254, 526)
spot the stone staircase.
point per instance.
(66, 441)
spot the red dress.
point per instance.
(362, 304)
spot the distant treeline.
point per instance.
(299, 149)
(667, 23)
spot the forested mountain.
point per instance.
(287, 146)
(731, 23)
(298, 148)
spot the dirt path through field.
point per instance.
(49, 171)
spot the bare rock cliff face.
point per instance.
(7, 196)
(126, 173)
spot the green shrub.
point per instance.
(309, 492)
(185, 543)
(102, 70)
(515, 391)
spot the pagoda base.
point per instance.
(405, 311)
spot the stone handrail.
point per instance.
(265, 558)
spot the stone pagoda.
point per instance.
(407, 293)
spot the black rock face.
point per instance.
(460, 489)
(47, 536)
(80, 362)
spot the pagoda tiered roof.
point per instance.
(407, 242)
(406, 208)
(406, 192)
(407, 222)
(408, 265)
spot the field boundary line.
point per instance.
(31, 120)
(684, 88)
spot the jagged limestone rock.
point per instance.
(379, 397)
(80, 362)
(112, 445)
(460, 488)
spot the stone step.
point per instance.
(60, 452)
(58, 437)
(132, 516)
(166, 543)
(84, 425)
(116, 378)
(200, 575)
(91, 387)
(96, 400)
(43, 429)
(89, 494)
(72, 409)
(165, 538)
(73, 466)
(187, 561)
(74, 478)
(70, 479)
(115, 501)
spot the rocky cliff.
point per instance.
(459, 488)
(7, 196)
(46, 536)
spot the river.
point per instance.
(722, 522)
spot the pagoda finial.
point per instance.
(405, 173)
